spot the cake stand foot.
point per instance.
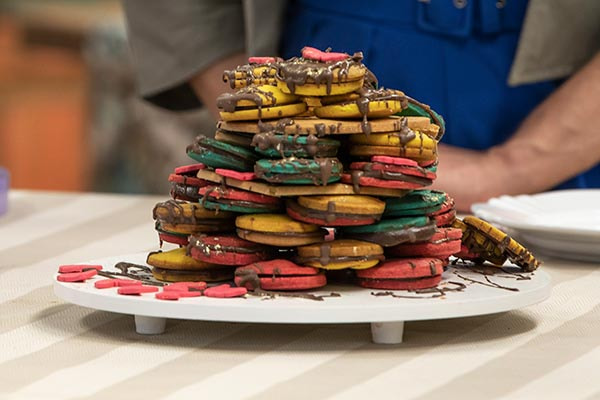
(149, 325)
(387, 332)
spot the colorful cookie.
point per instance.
(275, 145)
(417, 202)
(279, 274)
(258, 102)
(389, 172)
(418, 109)
(174, 216)
(177, 266)
(258, 71)
(237, 200)
(481, 235)
(446, 214)
(299, 171)
(444, 243)
(240, 139)
(340, 254)
(408, 144)
(217, 154)
(391, 232)
(402, 274)
(311, 76)
(367, 103)
(336, 210)
(277, 230)
(226, 250)
(184, 184)
(180, 239)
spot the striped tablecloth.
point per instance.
(53, 350)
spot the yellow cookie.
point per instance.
(494, 238)
(206, 226)
(255, 96)
(289, 110)
(322, 89)
(248, 74)
(176, 259)
(343, 204)
(277, 230)
(341, 254)
(373, 109)
(408, 144)
(175, 211)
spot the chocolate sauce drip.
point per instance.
(298, 71)
(436, 118)
(228, 101)
(250, 73)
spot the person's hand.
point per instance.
(557, 141)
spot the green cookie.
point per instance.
(279, 146)
(417, 202)
(299, 171)
(418, 109)
(217, 154)
(391, 232)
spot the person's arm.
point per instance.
(171, 42)
(558, 140)
(208, 83)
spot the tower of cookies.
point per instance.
(313, 169)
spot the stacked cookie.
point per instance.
(313, 169)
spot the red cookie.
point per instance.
(241, 176)
(226, 250)
(225, 291)
(402, 274)
(189, 170)
(445, 215)
(69, 268)
(184, 184)
(374, 182)
(237, 200)
(444, 243)
(136, 290)
(279, 274)
(401, 284)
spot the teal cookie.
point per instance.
(217, 154)
(418, 109)
(299, 171)
(417, 202)
(391, 232)
(275, 145)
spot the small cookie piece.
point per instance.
(255, 103)
(237, 200)
(402, 274)
(275, 145)
(495, 238)
(299, 171)
(444, 243)
(217, 154)
(277, 230)
(389, 172)
(279, 274)
(341, 254)
(178, 217)
(408, 144)
(226, 250)
(336, 210)
(391, 232)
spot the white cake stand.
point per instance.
(386, 314)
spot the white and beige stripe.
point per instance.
(53, 350)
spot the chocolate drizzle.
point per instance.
(299, 71)
(228, 102)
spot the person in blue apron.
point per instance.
(455, 55)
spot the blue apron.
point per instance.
(453, 55)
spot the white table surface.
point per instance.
(55, 350)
